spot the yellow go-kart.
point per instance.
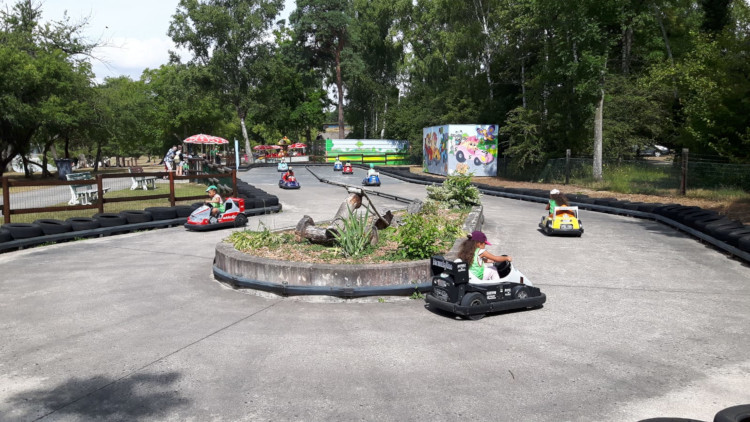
(564, 222)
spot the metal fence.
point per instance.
(678, 172)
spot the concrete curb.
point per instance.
(300, 278)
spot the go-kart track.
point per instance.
(640, 321)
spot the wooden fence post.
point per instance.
(683, 181)
(234, 183)
(100, 193)
(171, 189)
(567, 166)
(6, 200)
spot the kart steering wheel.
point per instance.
(503, 268)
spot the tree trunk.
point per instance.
(45, 172)
(598, 137)
(385, 114)
(627, 44)
(340, 87)
(67, 146)
(241, 114)
(306, 229)
(98, 155)
(352, 202)
(523, 84)
(657, 13)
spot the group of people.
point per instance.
(473, 250)
(176, 161)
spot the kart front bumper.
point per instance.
(504, 305)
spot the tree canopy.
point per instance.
(670, 72)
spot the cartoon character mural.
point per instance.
(434, 149)
(463, 149)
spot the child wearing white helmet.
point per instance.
(556, 199)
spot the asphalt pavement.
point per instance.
(641, 321)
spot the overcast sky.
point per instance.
(134, 30)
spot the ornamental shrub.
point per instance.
(456, 191)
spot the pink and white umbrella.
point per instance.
(205, 140)
(265, 147)
(298, 145)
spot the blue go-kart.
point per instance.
(338, 166)
(289, 183)
(371, 180)
(282, 166)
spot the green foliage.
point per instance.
(354, 237)
(456, 191)
(418, 238)
(247, 240)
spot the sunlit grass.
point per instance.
(181, 190)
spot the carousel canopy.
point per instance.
(205, 140)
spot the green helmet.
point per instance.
(211, 187)
(372, 166)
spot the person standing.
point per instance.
(178, 160)
(169, 158)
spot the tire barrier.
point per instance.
(23, 230)
(50, 226)
(739, 413)
(108, 219)
(5, 235)
(162, 213)
(136, 216)
(706, 225)
(83, 223)
(21, 235)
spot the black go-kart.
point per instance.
(452, 291)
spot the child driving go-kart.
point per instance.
(216, 204)
(289, 175)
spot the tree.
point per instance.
(322, 26)
(228, 37)
(42, 70)
(184, 104)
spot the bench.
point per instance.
(83, 194)
(139, 182)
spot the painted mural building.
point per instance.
(460, 149)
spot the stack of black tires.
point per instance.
(47, 227)
(256, 200)
(709, 222)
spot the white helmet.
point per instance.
(554, 192)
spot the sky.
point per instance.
(134, 31)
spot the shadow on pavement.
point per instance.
(103, 398)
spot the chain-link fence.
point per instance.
(647, 176)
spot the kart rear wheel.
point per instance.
(474, 299)
(240, 221)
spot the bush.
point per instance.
(418, 238)
(456, 191)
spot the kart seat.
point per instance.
(569, 211)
